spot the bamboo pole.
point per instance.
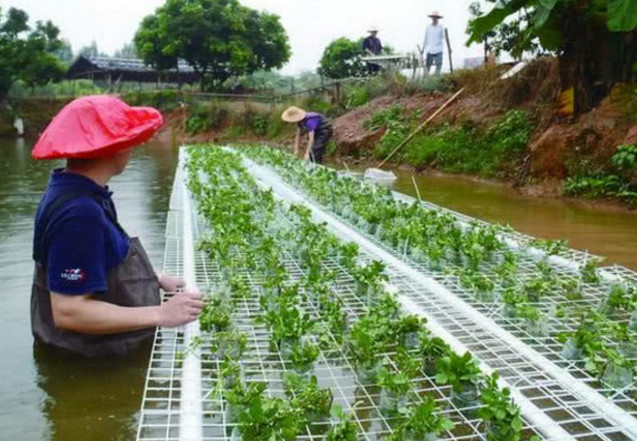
(449, 49)
(420, 127)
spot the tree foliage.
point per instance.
(28, 54)
(595, 40)
(65, 52)
(342, 59)
(220, 39)
(510, 36)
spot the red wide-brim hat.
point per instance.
(96, 126)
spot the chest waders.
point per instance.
(132, 283)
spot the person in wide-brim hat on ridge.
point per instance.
(317, 127)
(95, 292)
(372, 46)
(433, 45)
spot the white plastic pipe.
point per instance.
(190, 410)
(604, 406)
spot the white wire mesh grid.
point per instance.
(514, 368)
(549, 346)
(160, 410)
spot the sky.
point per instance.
(310, 25)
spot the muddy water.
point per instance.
(609, 233)
(45, 396)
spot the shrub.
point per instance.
(162, 99)
(205, 117)
(614, 183)
(356, 97)
(471, 149)
(276, 125)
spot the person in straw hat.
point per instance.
(372, 46)
(318, 128)
(433, 45)
(94, 291)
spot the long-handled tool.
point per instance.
(383, 176)
(421, 126)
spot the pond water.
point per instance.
(49, 398)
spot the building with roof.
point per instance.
(117, 70)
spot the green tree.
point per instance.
(28, 54)
(342, 59)
(220, 39)
(154, 45)
(65, 52)
(510, 36)
(595, 40)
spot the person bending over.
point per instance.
(318, 129)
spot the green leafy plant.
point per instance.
(458, 371)
(499, 412)
(551, 247)
(306, 394)
(396, 382)
(271, 419)
(345, 429)
(422, 422)
(588, 271)
(215, 315)
(303, 355)
(625, 158)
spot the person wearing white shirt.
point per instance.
(434, 43)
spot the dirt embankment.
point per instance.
(558, 146)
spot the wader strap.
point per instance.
(53, 207)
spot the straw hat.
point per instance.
(435, 14)
(373, 28)
(293, 114)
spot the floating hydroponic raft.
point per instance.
(346, 314)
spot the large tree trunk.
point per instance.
(576, 60)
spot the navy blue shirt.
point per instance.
(80, 244)
(373, 44)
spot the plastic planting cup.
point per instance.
(435, 265)
(412, 340)
(367, 374)
(429, 366)
(498, 431)
(390, 402)
(468, 400)
(617, 377)
(538, 328)
(628, 349)
(286, 347)
(409, 435)
(570, 351)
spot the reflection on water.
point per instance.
(90, 399)
(47, 396)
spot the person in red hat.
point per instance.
(94, 291)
